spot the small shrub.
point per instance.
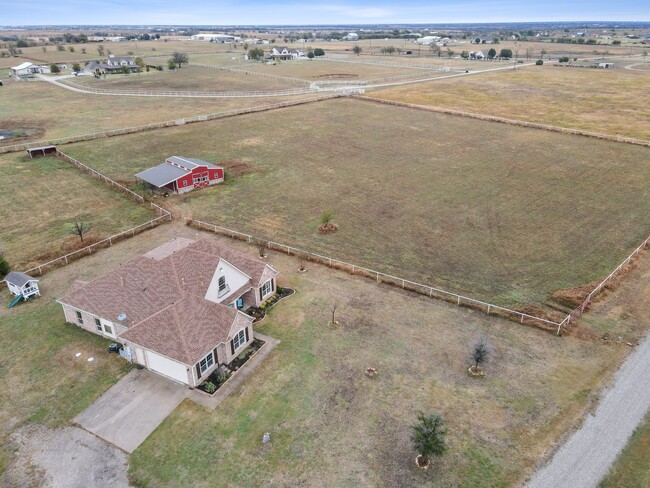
(279, 290)
(222, 376)
(4, 266)
(564, 59)
(210, 387)
(326, 217)
(539, 62)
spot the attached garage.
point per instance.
(166, 367)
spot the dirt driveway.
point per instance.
(64, 458)
(132, 408)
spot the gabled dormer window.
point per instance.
(223, 287)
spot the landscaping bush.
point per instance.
(210, 387)
(4, 266)
(564, 59)
(539, 62)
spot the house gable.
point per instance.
(233, 279)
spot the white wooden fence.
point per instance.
(163, 216)
(503, 120)
(380, 277)
(168, 123)
(603, 284)
(186, 93)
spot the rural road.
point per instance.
(588, 454)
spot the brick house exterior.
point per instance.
(176, 309)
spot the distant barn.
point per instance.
(180, 175)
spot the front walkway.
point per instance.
(211, 401)
(584, 460)
(132, 408)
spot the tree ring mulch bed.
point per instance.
(327, 228)
(476, 372)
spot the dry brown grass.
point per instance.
(608, 101)
(60, 113)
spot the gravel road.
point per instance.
(588, 454)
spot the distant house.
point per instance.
(352, 36)
(285, 53)
(606, 65)
(476, 55)
(112, 65)
(176, 309)
(180, 175)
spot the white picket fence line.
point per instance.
(394, 65)
(580, 309)
(168, 123)
(503, 120)
(232, 69)
(164, 215)
(430, 291)
(187, 93)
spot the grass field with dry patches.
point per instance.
(609, 101)
(192, 78)
(332, 426)
(46, 196)
(56, 112)
(496, 212)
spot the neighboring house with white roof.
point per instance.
(285, 53)
(177, 308)
(25, 69)
(352, 36)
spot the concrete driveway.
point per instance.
(132, 408)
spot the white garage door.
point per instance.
(167, 367)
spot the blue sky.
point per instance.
(218, 12)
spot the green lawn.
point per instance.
(632, 467)
(496, 212)
(46, 197)
(43, 382)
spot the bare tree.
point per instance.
(100, 50)
(480, 353)
(302, 257)
(80, 229)
(180, 58)
(334, 307)
(262, 245)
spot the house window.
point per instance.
(222, 283)
(80, 319)
(108, 329)
(184, 182)
(267, 287)
(239, 340)
(98, 325)
(206, 363)
(216, 175)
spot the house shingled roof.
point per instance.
(162, 295)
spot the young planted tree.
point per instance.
(303, 257)
(357, 50)
(326, 225)
(262, 245)
(256, 54)
(334, 307)
(479, 355)
(80, 229)
(429, 438)
(54, 68)
(76, 67)
(171, 65)
(100, 50)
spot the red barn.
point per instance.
(180, 175)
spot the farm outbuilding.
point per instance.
(37, 152)
(180, 175)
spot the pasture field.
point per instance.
(318, 69)
(332, 426)
(609, 101)
(496, 212)
(191, 78)
(46, 196)
(52, 112)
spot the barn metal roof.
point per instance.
(162, 174)
(190, 163)
(19, 279)
(24, 65)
